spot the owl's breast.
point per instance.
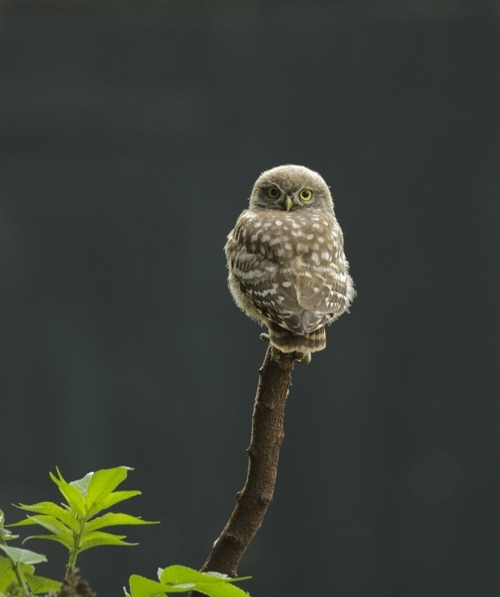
(288, 267)
(283, 238)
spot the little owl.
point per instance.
(285, 255)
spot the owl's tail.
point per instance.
(287, 341)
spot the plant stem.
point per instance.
(19, 577)
(73, 554)
(263, 453)
(16, 569)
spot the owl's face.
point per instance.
(289, 188)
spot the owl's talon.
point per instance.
(303, 357)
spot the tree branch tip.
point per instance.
(285, 359)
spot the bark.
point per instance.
(263, 454)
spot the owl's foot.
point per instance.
(303, 357)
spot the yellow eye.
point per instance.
(273, 192)
(305, 195)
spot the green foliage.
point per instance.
(75, 524)
(17, 568)
(181, 579)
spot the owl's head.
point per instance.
(290, 188)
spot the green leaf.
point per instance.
(140, 586)
(51, 509)
(98, 538)
(114, 519)
(5, 534)
(23, 523)
(47, 522)
(102, 484)
(181, 579)
(23, 556)
(61, 540)
(6, 573)
(144, 587)
(70, 493)
(227, 578)
(40, 584)
(82, 484)
(177, 574)
(112, 499)
(220, 590)
(214, 585)
(25, 568)
(52, 525)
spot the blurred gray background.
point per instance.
(130, 136)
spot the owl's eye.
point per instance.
(305, 195)
(273, 192)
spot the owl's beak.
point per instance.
(288, 203)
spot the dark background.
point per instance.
(130, 138)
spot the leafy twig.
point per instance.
(75, 525)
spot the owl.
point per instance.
(285, 256)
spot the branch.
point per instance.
(263, 453)
(74, 586)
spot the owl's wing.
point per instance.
(294, 294)
(309, 302)
(299, 303)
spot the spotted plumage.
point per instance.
(285, 255)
